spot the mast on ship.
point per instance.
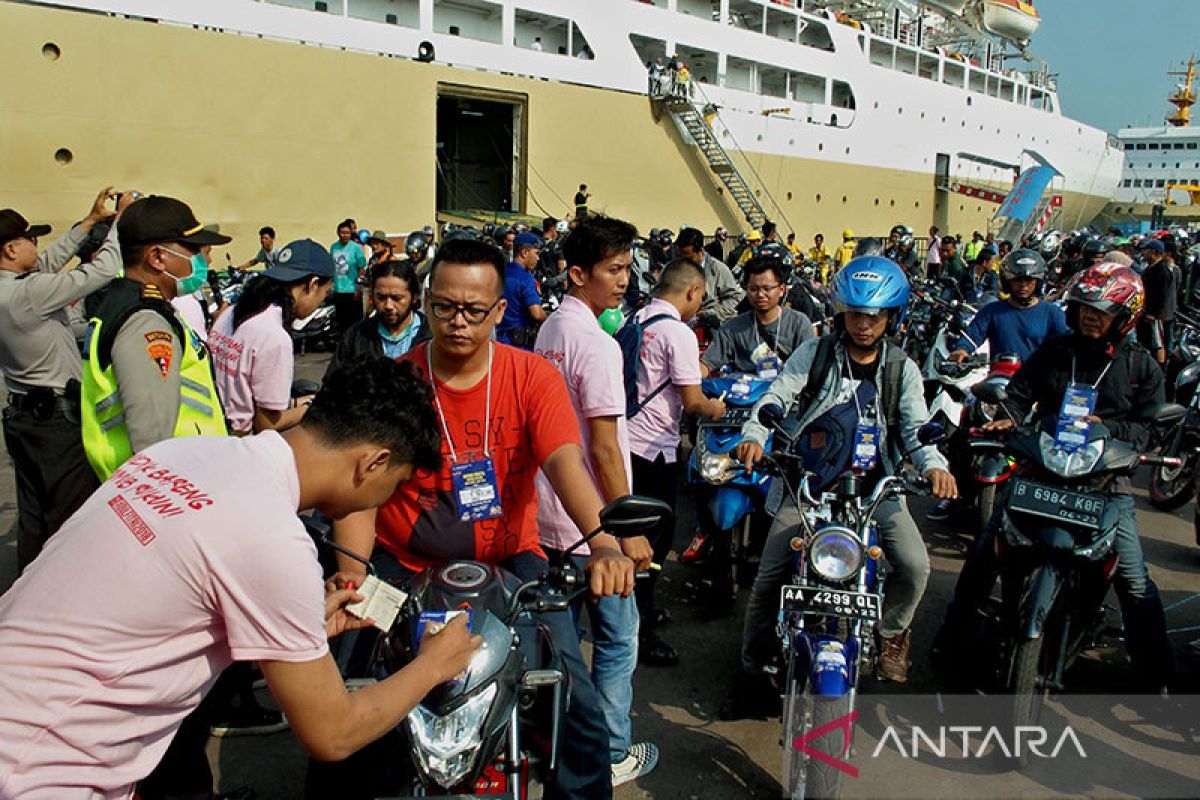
(1185, 98)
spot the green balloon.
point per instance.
(610, 320)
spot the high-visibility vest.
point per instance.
(105, 436)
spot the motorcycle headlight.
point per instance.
(1069, 464)
(717, 468)
(835, 554)
(446, 746)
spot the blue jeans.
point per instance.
(614, 655)
(584, 770)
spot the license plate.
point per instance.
(832, 602)
(1075, 508)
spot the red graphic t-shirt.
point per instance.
(531, 418)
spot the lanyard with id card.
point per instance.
(865, 456)
(473, 480)
(1079, 402)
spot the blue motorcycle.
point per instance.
(733, 495)
(827, 616)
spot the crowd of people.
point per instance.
(160, 468)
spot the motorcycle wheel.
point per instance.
(1171, 487)
(1028, 688)
(987, 504)
(822, 780)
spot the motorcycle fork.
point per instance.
(513, 768)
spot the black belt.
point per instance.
(29, 402)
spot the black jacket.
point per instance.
(1132, 384)
(362, 338)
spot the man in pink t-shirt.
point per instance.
(670, 358)
(599, 252)
(191, 557)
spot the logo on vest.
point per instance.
(161, 353)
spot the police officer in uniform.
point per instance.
(147, 376)
(40, 361)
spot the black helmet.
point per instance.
(1093, 249)
(1023, 263)
(868, 246)
(489, 228)
(416, 246)
(904, 233)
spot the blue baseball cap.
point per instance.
(303, 258)
(527, 240)
(1152, 244)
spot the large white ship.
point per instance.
(298, 113)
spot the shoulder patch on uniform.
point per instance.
(152, 292)
(157, 336)
(161, 353)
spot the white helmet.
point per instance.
(562, 226)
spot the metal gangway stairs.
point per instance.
(695, 124)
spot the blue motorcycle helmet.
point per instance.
(871, 285)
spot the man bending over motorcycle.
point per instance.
(848, 403)
(191, 557)
(1103, 305)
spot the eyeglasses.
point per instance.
(474, 315)
(762, 289)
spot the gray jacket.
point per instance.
(722, 293)
(786, 389)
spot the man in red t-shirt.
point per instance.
(504, 414)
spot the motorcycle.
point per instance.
(1056, 549)
(948, 391)
(733, 494)
(828, 614)
(318, 331)
(497, 729)
(990, 465)
(936, 316)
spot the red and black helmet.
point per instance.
(1111, 288)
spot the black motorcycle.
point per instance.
(1056, 549)
(1171, 487)
(497, 728)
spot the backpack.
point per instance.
(893, 375)
(629, 338)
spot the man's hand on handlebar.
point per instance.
(942, 484)
(749, 453)
(959, 356)
(610, 572)
(639, 550)
(999, 425)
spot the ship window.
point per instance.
(747, 15)
(530, 26)
(1006, 90)
(400, 12)
(882, 53)
(472, 19)
(977, 81)
(700, 62)
(649, 49)
(808, 88)
(1160, 183)
(1127, 183)
(1153, 145)
(781, 24)
(843, 95)
(816, 35)
(928, 67)
(906, 60)
(1141, 145)
(739, 74)
(772, 81)
(952, 74)
(1179, 145)
(695, 8)
(1191, 145)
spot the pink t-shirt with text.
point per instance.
(590, 362)
(188, 558)
(670, 352)
(254, 365)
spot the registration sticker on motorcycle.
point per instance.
(865, 606)
(1049, 502)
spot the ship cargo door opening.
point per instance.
(480, 150)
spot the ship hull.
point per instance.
(253, 131)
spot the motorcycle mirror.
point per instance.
(634, 515)
(988, 392)
(303, 387)
(932, 433)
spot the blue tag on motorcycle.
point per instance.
(866, 447)
(476, 493)
(768, 367)
(740, 388)
(1071, 432)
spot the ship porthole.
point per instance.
(789, 195)
(50, 50)
(876, 201)
(892, 203)
(820, 147)
(63, 156)
(845, 199)
(818, 198)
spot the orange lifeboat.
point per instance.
(1012, 19)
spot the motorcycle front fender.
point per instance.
(1044, 586)
(992, 467)
(728, 505)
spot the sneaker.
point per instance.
(639, 760)
(250, 720)
(939, 512)
(697, 551)
(892, 664)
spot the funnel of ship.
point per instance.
(955, 7)
(1012, 19)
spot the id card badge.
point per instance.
(866, 447)
(768, 368)
(1079, 402)
(740, 389)
(476, 493)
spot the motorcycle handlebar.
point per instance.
(1160, 461)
